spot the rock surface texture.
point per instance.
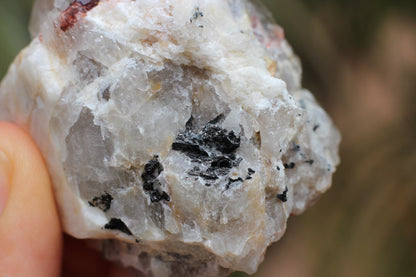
(176, 133)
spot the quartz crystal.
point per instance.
(177, 133)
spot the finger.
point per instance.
(30, 233)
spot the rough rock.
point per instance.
(177, 133)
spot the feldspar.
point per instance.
(177, 133)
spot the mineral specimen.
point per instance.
(176, 133)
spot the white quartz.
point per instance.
(176, 132)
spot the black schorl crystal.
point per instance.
(102, 202)
(212, 146)
(117, 224)
(152, 170)
(283, 196)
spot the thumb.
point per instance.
(30, 233)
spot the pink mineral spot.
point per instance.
(76, 9)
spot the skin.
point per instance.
(31, 238)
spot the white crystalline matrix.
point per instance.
(176, 133)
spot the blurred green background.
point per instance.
(359, 59)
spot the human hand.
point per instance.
(31, 239)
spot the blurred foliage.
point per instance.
(363, 16)
(359, 59)
(356, 19)
(14, 34)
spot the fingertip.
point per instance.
(5, 170)
(30, 234)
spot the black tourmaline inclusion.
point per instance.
(117, 224)
(283, 196)
(102, 202)
(212, 138)
(152, 170)
(212, 146)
